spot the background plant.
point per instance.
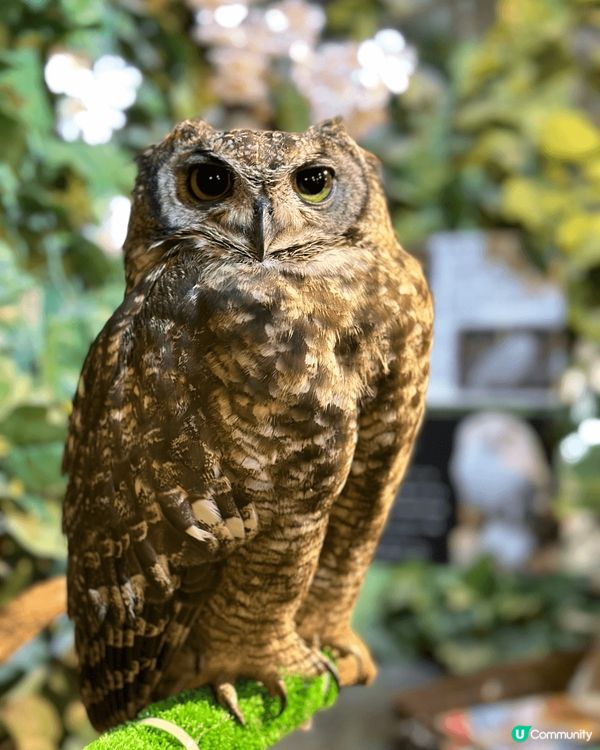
(471, 618)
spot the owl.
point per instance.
(242, 421)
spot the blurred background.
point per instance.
(486, 118)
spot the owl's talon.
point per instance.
(333, 673)
(226, 696)
(203, 536)
(278, 689)
(354, 664)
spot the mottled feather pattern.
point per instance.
(242, 422)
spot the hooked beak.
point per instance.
(260, 225)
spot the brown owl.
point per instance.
(243, 420)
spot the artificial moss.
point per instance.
(213, 728)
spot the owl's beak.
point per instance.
(260, 222)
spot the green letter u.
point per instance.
(520, 733)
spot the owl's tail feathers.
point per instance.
(126, 645)
(119, 672)
(29, 613)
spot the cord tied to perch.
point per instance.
(167, 726)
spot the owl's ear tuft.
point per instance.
(332, 126)
(189, 129)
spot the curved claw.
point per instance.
(226, 696)
(278, 689)
(330, 667)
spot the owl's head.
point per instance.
(254, 197)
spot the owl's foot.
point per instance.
(353, 659)
(222, 520)
(313, 664)
(212, 518)
(226, 696)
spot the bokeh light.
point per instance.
(354, 79)
(94, 95)
(110, 233)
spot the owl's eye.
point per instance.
(314, 184)
(209, 181)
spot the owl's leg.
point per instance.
(387, 428)
(246, 627)
(325, 615)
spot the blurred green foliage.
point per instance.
(579, 482)
(468, 619)
(498, 131)
(505, 133)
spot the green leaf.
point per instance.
(33, 424)
(82, 12)
(23, 92)
(15, 387)
(106, 169)
(292, 111)
(520, 200)
(38, 530)
(569, 135)
(38, 467)
(15, 281)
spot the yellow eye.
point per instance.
(314, 184)
(209, 182)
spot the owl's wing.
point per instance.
(146, 508)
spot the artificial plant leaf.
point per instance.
(579, 235)
(14, 388)
(25, 97)
(15, 281)
(39, 531)
(105, 169)
(520, 200)
(33, 423)
(570, 135)
(38, 467)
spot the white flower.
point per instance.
(387, 58)
(94, 96)
(351, 79)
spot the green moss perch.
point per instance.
(213, 728)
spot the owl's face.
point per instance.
(252, 197)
